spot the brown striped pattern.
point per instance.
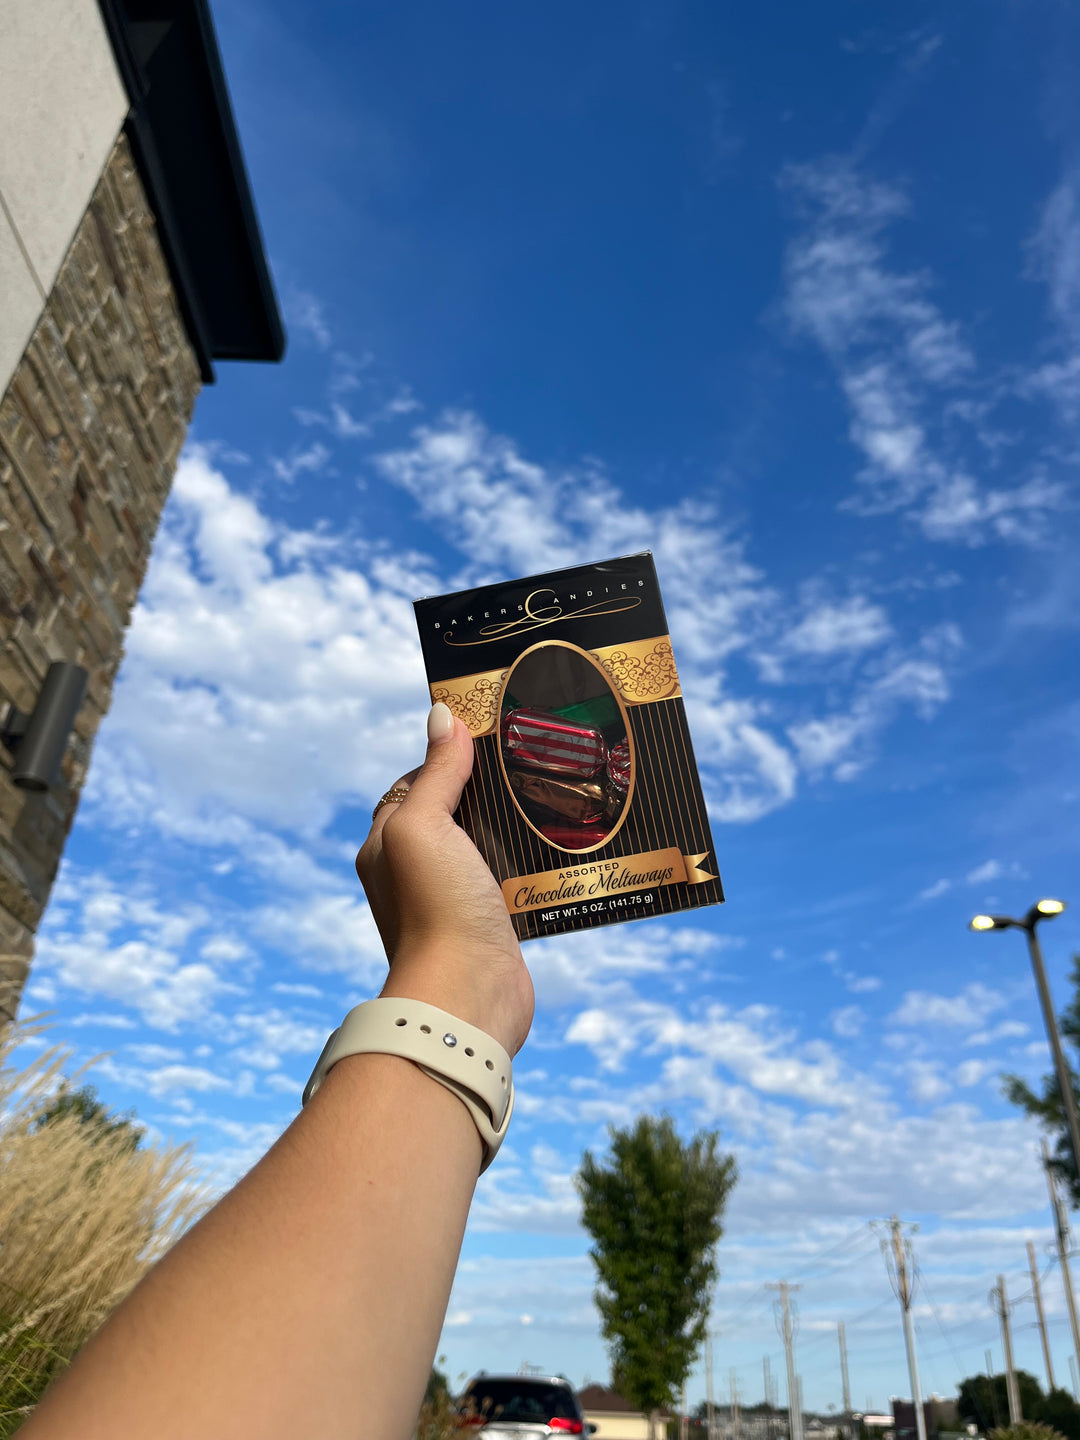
(667, 808)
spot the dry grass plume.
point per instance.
(83, 1214)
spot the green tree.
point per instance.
(104, 1124)
(1047, 1107)
(1061, 1411)
(654, 1213)
(984, 1399)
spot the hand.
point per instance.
(439, 909)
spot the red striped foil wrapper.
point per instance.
(618, 766)
(548, 742)
(574, 837)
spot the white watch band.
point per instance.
(464, 1059)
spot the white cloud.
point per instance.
(302, 460)
(990, 870)
(936, 890)
(270, 1034)
(122, 948)
(842, 742)
(749, 1044)
(847, 626)
(239, 668)
(305, 313)
(965, 1010)
(104, 1020)
(1055, 251)
(224, 948)
(184, 1078)
(896, 358)
(973, 1072)
(165, 1080)
(152, 1054)
(848, 1021)
(332, 933)
(926, 1083)
(1007, 1030)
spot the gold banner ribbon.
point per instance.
(599, 885)
(641, 671)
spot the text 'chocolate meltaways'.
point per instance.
(584, 799)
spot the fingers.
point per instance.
(383, 812)
(448, 764)
(435, 787)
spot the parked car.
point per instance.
(521, 1407)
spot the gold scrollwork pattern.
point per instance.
(474, 699)
(643, 670)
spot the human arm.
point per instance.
(309, 1301)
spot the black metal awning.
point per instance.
(183, 135)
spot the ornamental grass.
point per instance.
(86, 1207)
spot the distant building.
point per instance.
(940, 1415)
(130, 261)
(614, 1417)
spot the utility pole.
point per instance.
(1061, 1233)
(999, 1301)
(1075, 1382)
(1037, 1293)
(844, 1378)
(1061, 1065)
(766, 1369)
(798, 1394)
(735, 1418)
(900, 1263)
(786, 1325)
(708, 1388)
(684, 1422)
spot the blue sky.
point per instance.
(790, 295)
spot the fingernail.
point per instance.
(440, 723)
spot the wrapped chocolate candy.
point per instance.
(618, 767)
(574, 837)
(540, 740)
(582, 801)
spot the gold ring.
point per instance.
(393, 796)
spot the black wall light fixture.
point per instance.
(37, 741)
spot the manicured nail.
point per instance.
(440, 723)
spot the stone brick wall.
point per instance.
(91, 426)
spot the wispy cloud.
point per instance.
(1054, 257)
(898, 359)
(304, 312)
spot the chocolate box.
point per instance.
(584, 799)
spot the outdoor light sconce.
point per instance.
(38, 740)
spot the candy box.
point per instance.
(584, 799)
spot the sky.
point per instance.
(790, 295)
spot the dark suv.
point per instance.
(521, 1407)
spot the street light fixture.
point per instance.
(1043, 910)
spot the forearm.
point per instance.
(309, 1301)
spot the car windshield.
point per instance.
(532, 1401)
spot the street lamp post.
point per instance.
(1043, 910)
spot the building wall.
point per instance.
(610, 1426)
(91, 426)
(61, 107)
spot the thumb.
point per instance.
(447, 765)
